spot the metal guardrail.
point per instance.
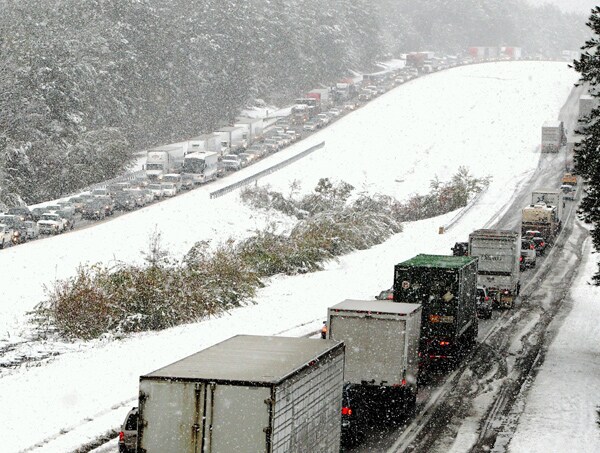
(459, 215)
(222, 191)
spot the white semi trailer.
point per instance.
(382, 352)
(551, 197)
(499, 252)
(164, 159)
(201, 167)
(246, 394)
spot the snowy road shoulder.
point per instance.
(561, 411)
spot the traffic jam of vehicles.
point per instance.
(367, 367)
(171, 169)
(308, 394)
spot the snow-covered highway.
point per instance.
(486, 117)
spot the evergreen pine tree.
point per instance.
(587, 157)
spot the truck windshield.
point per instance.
(194, 165)
(154, 166)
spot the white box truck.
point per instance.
(382, 352)
(499, 252)
(553, 136)
(551, 197)
(233, 138)
(164, 159)
(253, 126)
(201, 167)
(245, 394)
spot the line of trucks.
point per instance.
(198, 157)
(503, 254)
(277, 394)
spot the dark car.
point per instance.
(22, 211)
(386, 294)
(540, 245)
(93, 210)
(109, 204)
(15, 223)
(528, 254)
(128, 433)
(484, 303)
(125, 201)
(460, 249)
(352, 424)
(36, 213)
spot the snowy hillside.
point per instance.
(486, 117)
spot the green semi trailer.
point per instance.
(446, 288)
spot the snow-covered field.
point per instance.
(486, 117)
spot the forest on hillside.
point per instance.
(84, 84)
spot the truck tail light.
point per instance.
(487, 298)
(520, 259)
(121, 436)
(346, 410)
(542, 244)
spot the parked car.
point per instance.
(141, 197)
(125, 201)
(187, 182)
(128, 432)
(68, 216)
(13, 222)
(147, 193)
(540, 245)
(36, 213)
(77, 202)
(174, 178)
(93, 210)
(324, 119)
(5, 235)
(22, 211)
(271, 145)
(156, 189)
(32, 230)
(386, 294)
(109, 204)
(293, 135)
(169, 189)
(231, 162)
(528, 253)
(538, 239)
(310, 126)
(18, 237)
(52, 223)
(258, 150)
(353, 422)
(247, 158)
(283, 138)
(66, 206)
(460, 249)
(484, 303)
